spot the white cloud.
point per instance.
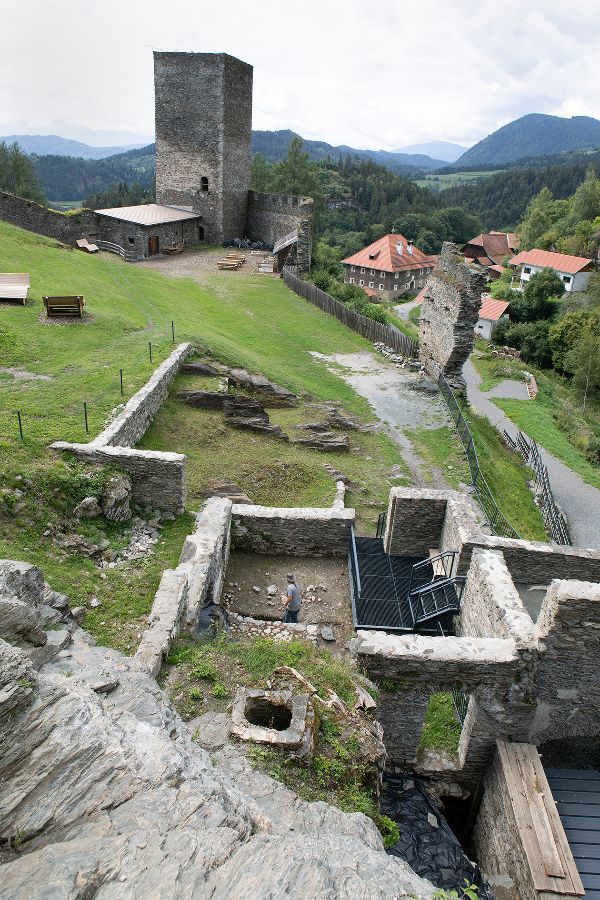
(355, 72)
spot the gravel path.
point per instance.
(579, 501)
(403, 309)
(399, 399)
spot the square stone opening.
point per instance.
(268, 714)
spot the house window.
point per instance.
(372, 271)
(566, 279)
(370, 284)
(361, 282)
(526, 270)
(382, 287)
(396, 274)
(352, 281)
(352, 268)
(395, 287)
(131, 240)
(204, 183)
(362, 271)
(382, 274)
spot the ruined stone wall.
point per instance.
(272, 216)
(414, 521)
(157, 479)
(491, 605)
(34, 217)
(449, 313)
(203, 113)
(183, 591)
(567, 636)
(133, 421)
(295, 531)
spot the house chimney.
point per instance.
(410, 247)
(399, 246)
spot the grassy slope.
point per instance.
(254, 322)
(540, 418)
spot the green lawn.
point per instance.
(257, 323)
(442, 451)
(554, 419)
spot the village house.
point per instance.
(491, 312)
(574, 271)
(490, 250)
(389, 268)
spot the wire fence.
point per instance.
(496, 519)
(554, 520)
(75, 404)
(374, 331)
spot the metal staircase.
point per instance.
(402, 594)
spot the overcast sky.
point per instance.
(368, 73)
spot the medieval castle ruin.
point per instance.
(203, 113)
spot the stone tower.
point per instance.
(203, 112)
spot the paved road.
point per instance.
(403, 309)
(579, 501)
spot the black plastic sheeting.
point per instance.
(431, 850)
(245, 244)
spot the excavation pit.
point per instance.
(279, 718)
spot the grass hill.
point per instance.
(533, 135)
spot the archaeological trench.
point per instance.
(106, 791)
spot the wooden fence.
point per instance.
(370, 329)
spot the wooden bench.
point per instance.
(228, 264)
(84, 244)
(64, 306)
(14, 286)
(174, 249)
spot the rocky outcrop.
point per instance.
(116, 499)
(247, 413)
(270, 393)
(104, 794)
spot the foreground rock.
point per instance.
(104, 794)
(248, 413)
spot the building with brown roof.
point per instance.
(389, 267)
(574, 271)
(490, 249)
(491, 311)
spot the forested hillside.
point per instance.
(533, 135)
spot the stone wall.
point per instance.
(491, 605)
(415, 519)
(183, 591)
(34, 217)
(272, 216)
(292, 531)
(135, 238)
(449, 313)
(203, 113)
(157, 479)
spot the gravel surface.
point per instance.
(200, 264)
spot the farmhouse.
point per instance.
(490, 250)
(491, 312)
(574, 271)
(389, 267)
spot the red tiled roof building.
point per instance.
(389, 267)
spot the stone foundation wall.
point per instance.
(132, 423)
(183, 591)
(34, 217)
(273, 216)
(303, 531)
(157, 479)
(449, 313)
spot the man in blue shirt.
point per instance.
(292, 600)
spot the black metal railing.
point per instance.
(554, 520)
(424, 572)
(460, 701)
(381, 523)
(440, 598)
(497, 521)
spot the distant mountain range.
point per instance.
(445, 150)
(533, 135)
(54, 145)
(273, 146)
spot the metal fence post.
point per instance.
(85, 415)
(20, 423)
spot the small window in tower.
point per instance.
(204, 183)
(131, 240)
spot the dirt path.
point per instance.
(399, 399)
(579, 501)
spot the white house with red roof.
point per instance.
(389, 267)
(574, 271)
(491, 311)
